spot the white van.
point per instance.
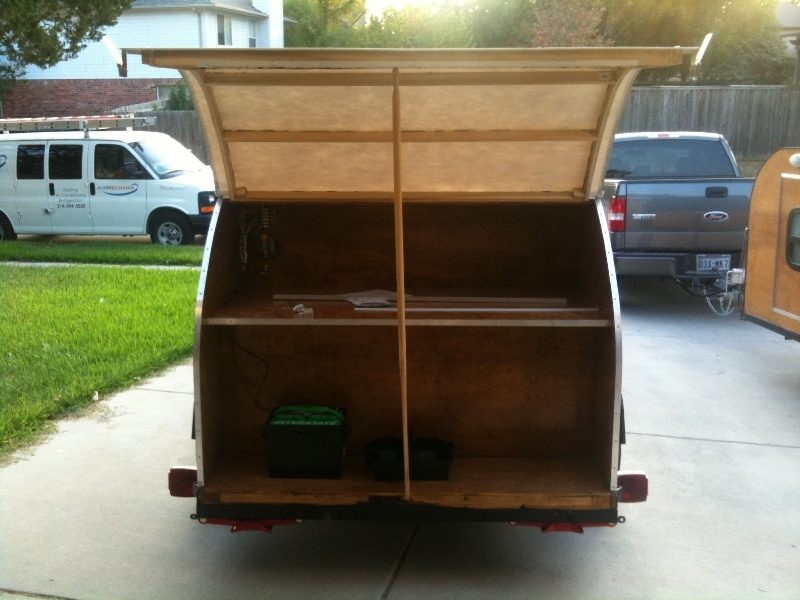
(103, 183)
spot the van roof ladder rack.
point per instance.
(75, 123)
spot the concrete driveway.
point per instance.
(713, 415)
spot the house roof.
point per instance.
(240, 6)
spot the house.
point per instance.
(788, 14)
(90, 84)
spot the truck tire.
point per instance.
(171, 229)
(7, 233)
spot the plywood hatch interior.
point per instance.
(505, 125)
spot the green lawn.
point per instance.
(68, 331)
(93, 251)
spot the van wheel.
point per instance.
(171, 230)
(7, 233)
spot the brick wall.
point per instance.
(75, 97)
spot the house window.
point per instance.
(252, 34)
(224, 37)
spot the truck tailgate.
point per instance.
(687, 215)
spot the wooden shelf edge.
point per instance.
(233, 321)
(594, 501)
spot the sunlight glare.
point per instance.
(375, 8)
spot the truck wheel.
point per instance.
(7, 233)
(171, 230)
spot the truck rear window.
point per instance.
(659, 157)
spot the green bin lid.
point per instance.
(306, 415)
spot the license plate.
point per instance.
(713, 262)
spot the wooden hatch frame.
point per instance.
(330, 114)
(527, 126)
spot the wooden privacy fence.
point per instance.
(756, 120)
(184, 126)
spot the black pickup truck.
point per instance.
(677, 207)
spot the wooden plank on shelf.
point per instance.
(477, 309)
(390, 296)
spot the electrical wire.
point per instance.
(240, 371)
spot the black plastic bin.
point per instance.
(429, 458)
(306, 442)
(385, 459)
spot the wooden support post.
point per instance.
(400, 268)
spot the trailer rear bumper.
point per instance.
(633, 487)
(399, 511)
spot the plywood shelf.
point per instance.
(245, 310)
(475, 482)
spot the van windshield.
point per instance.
(167, 157)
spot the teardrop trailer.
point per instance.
(407, 306)
(772, 282)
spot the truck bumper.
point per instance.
(674, 266)
(200, 223)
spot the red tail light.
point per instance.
(633, 485)
(181, 481)
(616, 213)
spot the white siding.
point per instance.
(269, 32)
(148, 29)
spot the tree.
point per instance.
(500, 23)
(46, 32)
(568, 23)
(747, 47)
(660, 23)
(419, 26)
(322, 23)
(179, 98)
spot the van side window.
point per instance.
(116, 162)
(66, 161)
(30, 161)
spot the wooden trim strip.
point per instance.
(277, 197)
(409, 136)
(400, 261)
(324, 78)
(413, 59)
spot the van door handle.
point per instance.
(91, 188)
(52, 189)
(717, 192)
